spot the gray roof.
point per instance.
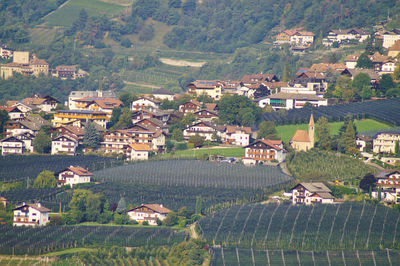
(325, 195)
(295, 96)
(315, 187)
(162, 91)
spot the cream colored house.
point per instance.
(390, 38)
(73, 175)
(31, 215)
(64, 144)
(211, 88)
(149, 213)
(310, 193)
(385, 142)
(23, 65)
(303, 140)
(136, 151)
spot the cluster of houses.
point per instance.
(25, 64)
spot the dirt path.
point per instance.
(173, 62)
(66, 2)
(142, 85)
(193, 233)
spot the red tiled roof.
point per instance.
(140, 147)
(79, 170)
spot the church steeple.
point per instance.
(311, 128)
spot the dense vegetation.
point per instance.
(324, 165)
(346, 226)
(193, 173)
(387, 111)
(28, 240)
(241, 256)
(15, 167)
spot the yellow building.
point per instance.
(23, 65)
(211, 88)
(303, 140)
(77, 117)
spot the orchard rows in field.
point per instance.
(240, 256)
(193, 173)
(387, 111)
(28, 240)
(348, 226)
(18, 167)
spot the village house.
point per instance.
(303, 140)
(283, 100)
(385, 142)
(138, 151)
(161, 115)
(30, 124)
(100, 104)
(24, 108)
(153, 123)
(345, 36)
(389, 183)
(309, 193)
(351, 73)
(163, 94)
(78, 117)
(362, 142)
(390, 37)
(206, 115)
(68, 72)
(76, 132)
(117, 141)
(204, 129)
(145, 103)
(64, 144)
(6, 52)
(73, 175)
(13, 112)
(351, 61)
(74, 95)
(27, 138)
(236, 135)
(388, 66)
(11, 145)
(295, 37)
(148, 212)
(190, 106)
(394, 50)
(34, 214)
(211, 88)
(311, 79)
(43, 103)
(264, 151)
(24, 65)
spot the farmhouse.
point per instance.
(309, 193)
(73, 175)
(206, 115)
(163, 94)
(203, 129)
(149, 213)
(303, 140)
(31, 215)
(264, 150)
(138, 151)
(145, 103)
(237, 135)
(13, 112)
(389, 182)
(44, 103)
(190, 106)
(345, 36)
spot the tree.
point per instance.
(348, 139)
(45, 179)
(322, 133)
(360, 81)
(177, 134)
(125, 120)
(199, 203)
(364, 61)
(366, 93)
(147, 34)
(386, 83)
(396, 73)
(86, 206)
(197, 140)
(188, 119)
(171, 219)
(116, 113)
(267, 130)
(235, 110)
(145, 8)
(368, 182)
(121, 205)
(3, 119)
(42, 142)
(126, 43)
(91, 138)
(127, 98)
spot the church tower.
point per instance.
(311, 128)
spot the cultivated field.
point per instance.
(347, 226)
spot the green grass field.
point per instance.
(227, 152)
(286, 132)
(67, 14)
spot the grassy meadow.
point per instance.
(227, 152)
(286, 132)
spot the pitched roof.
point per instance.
(233, 129)
(311, 123)
(209, 124)
(36, 206)
(258, 77)
(140, 147)
(301, 136)
(79, 170)
(11, 139)
(272, 143)
(324, 67)
(155, 207)
(351, 58)
(378, 58)
(370, 72)
(162, 91)
(324, 195)
(314, 186)
(68, 136)
(205, 84)
(103, 102)
(211, 106)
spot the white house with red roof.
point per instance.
(264, 151)
(145, 103)
(237, 135)
(34, 214)
(73, 175)
(149, 213)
